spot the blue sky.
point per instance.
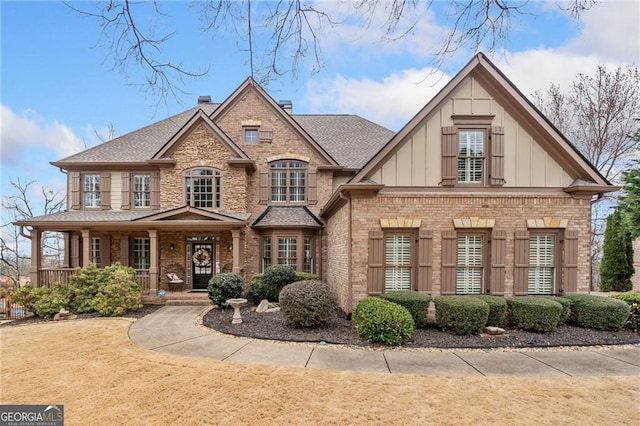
(58, 87)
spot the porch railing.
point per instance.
(50, 276)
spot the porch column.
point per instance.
(67, 250)
(36, 257)
(153, 262)
(235, 234)
(86, 247)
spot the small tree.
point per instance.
(616, 269)
(630, 203)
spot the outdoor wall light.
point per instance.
(172, 247)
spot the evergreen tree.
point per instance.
(630, 203)
(616, 269)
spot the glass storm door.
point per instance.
(202, 259)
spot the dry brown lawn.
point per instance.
(92, 368)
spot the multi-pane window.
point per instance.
(141, 253)
(266, 253)
(288, 181)
(203, 188)
(307, 265)
(96, 257)
(470, 270)
(398, 262)
(91, 190)
(251, 136)
(141, 191)
(287, 252)
(471, 156)
(541, 264)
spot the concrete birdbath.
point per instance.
(236, 304)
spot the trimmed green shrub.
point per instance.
(306, 276)
(275, 278)
(308, 304)
(616, 268)
(416, 303)
(461, 314)
(601, 313)
(497, 309)
(378, 320)
(534, 313)
(120, 293)
(633, 300)
(27, 296)
(48, 303)
(566, 307)
(84, 285)
(224, 286)
(258, 291)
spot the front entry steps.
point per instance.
(186, 298)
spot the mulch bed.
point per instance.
(273, 326)
(145, 310)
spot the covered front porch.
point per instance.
(193, 245)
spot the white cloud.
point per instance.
(610, 31)
(22, 133)
(390, 102)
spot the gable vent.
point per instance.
(204, 100)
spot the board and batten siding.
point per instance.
(418, 160)
(116, 190)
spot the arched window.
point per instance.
(202, 188)
(288, 181)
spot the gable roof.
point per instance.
(250, 85)
(491, 78)
(343, 140)
(137, 146)
(283, 216)
(199, 117)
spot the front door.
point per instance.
(203, 259)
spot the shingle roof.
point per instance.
(139, 145)
(287, 216)
(351, 140)
(90, 216)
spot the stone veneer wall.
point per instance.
(438, 211)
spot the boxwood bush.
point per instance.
(378, 320)
(461, 314)
(305, 276)
(566, 307)
(308, 304)
(497, 309)
(633, 300)
(120, 293)
(599, 312)
(416, 303)
(534, 313)
(226, 285)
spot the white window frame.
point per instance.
(141, 190)
(288, 180)
(541, 277)
(471, 263)
(194, 198)
(141, 253)
(398, 261)
(251, 135)
(472, 168)
(91, 190)
(96, 252)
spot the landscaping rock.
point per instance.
(494, 331)
(266, 306)
(64, 315)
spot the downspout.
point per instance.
(349, 257)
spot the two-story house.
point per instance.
(478, 193)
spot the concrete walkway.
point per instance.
(173, 330)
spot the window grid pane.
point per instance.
(541, 274)
(287, 252)
(288, 181)
(251, 135)
(91, 190)
(266, 254)
(141, 253)
(308, 255)
(141, 191)
(469, 274)
(203, 188)
(96, 257)
(397, 263)
(471, 156)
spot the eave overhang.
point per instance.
(346, 191)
